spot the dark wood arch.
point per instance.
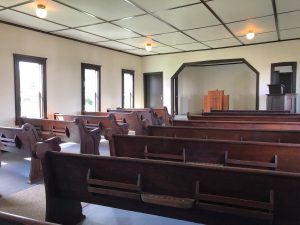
(174, 78)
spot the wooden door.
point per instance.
(153, 89)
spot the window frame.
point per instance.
(98, 69)
(132, 73)
(31, 59)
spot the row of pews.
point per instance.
(202, 170)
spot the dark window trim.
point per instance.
(33, 59)
(174, 78)
(132, 73)
(93, 67)
(294, 73)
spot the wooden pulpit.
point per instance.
(216, 100)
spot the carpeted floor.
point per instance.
(29, 203)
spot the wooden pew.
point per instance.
(245, 112)
(107, 123)
(262, 155)
(280, 136)
(265, 118)
(133, 120)
(21, 141)
(11, 219)
(143, 113)
(238, 124)
(67, 131)
(163, 114)
(200, 193)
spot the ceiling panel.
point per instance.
(223, 43)
(109, 31)
(171, 25)
(191, 47)
(289, 20)
(263, 37)
(234, 10)
(145, 25)
(28, 21)
(140, 42)
(259, 25)
(140, 52)
(115, 45)
(80, 35)
(61, 14)
(209, 33)
(290, 33)
(106, 9)
(287, 5)
(189, 17)
(175, 38)
(7, 3)
(156, 5)
(165, 49)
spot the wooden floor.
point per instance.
(13, 178)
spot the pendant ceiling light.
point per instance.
(41, 10)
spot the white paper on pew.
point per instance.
(131, 132)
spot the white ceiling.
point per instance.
(170, 25)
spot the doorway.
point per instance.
(153, 90)
(284, 73)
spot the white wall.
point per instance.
(63, 70)
(237, 80)
(65, 58)
(260, 56)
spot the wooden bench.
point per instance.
(11, 219)
(238, 124)
(279, 136)
(163, 114)
(67, 131)
(107, 123)
(200, 193)
(246, 112)
(21, 141)
(265, 118)
(262, 155)
(143, 113)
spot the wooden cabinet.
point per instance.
(282, 102)
(216, 100)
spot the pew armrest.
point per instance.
(166, 200)
(161, 156)
(256, 164)
(112, 188)
(239, 206)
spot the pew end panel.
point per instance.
(21, 141)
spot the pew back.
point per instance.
(270, 118)
(238, 124)
(281, 157)
(280, 136)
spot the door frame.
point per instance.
(145, 84)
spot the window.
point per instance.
(30, 86)
(90, 87)
(127, 88)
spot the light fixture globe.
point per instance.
(148, 47)
(250, 35)
(41, 11)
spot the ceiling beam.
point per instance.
(276, 18)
